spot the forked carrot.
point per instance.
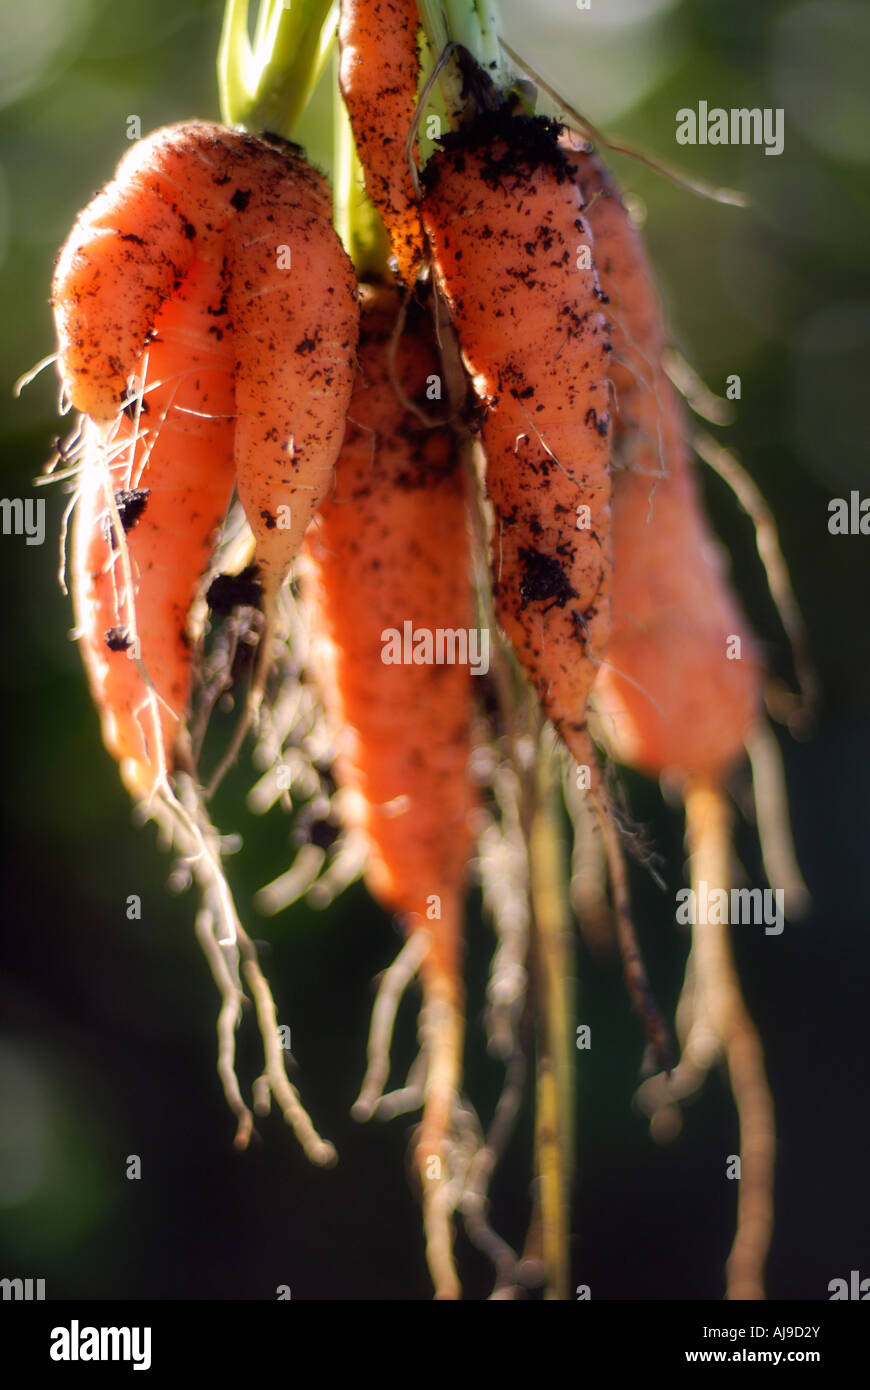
(206, 318)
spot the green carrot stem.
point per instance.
(265, 86)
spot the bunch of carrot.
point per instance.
(212, 334)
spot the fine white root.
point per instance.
(696, 392)
(346, 865)
(293, 883)
(722, 1003)
(503, 868)
(795, 710)
(774, 829)
(318, 1150)
(634, 970)
(184, 823)
(232, 1000)
(441, 1031)
(474, 1201)
(407, 1098)
(394, 982)
(588, 886)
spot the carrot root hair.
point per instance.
(394, 982)
(634, 970)
(721, 1001)
(474, 1201)
(588, 884)
(731, 197)
(503, 869)
(774, 828)
(441, 1031)
(440, 1150)
(795, 710)
(713, 1024)
(232, 955)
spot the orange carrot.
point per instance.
(174, 339)
(512, 255)
(390, 556)
(682, 683)
(378, 72)
(506, 231)
(680, 693)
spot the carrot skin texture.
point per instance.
(176, 189)
(293, 304)
(180, 452)
(378, 72)
(504, 223)
(670, 696)
(107, 292)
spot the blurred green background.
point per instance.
(107, 1025)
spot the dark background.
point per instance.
(107, 1025)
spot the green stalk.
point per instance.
(435, 105)
(265, 86)
(475, 25)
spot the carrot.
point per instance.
(682, 683)
(681, 692)
(504, 223)
(170, 278)
(378, 73)
(682, 686)
(391, 549)
(511, 253)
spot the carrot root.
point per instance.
(393, 984)
(634, 969)
(774, 830)
(232, 1000)
(795, 710)
(183, 823)
(474, 1201)
(441, 1028)
(708, 832)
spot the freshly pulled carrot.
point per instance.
(206, 319)
(511, 251)
(389, 557)
(505, 227)
(680, 693)
(682, 684)
(378, 73)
